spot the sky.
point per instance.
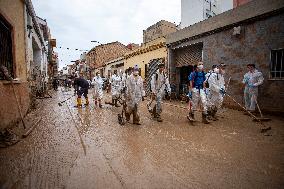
(75, 23)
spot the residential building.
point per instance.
(115, 64)
(159, 29)
(194, 11)
(147, 52)
(251, 33)
(153, 46)
(24, 52)
(101, 54)
(240, 2)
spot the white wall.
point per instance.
(194, 11)
(225, 5)
(191, 12)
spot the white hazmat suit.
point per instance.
(134, 95)
(252, 80)
(98, 87)
(159, 83)
(216, 83)
(115, 86)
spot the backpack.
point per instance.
(194, 78)
(156, 78)
(206, 81)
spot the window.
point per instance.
(277, 64)
(6, 55)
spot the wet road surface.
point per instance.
(97, 152)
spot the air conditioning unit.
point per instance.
(237, 30)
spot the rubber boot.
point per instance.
(190, 116)
(136, 118)
(79, 103)
(116, 105)
(87, 102)
(153, 113)
(159, 119)
(205, 119)
(100, 104)
(127, 116)
(213, 114)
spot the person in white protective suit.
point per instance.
(198, 92)
(252, 80)
(97, 82)
(134, 95)
(159, 83)
(115, 88)
(217, 91)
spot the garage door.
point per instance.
(189, 55)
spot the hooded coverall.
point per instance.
(252, 80)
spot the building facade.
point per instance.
(116, 64)
(252, 33)
(97, 57)
(153, 46)
(147, 52)
(157, 30)
(24, 52)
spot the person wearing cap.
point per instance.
(159, 83)
(97, 82)
(115, 82)
(134, 95)
(216, 90)
(81, 86)
(198, 90)
(252, 80)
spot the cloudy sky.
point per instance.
(75, 23)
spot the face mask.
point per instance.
(216, 70)
(200, 67)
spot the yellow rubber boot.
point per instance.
(87, 101)
(79, 102)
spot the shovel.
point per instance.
(261, 115)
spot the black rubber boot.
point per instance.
(190, 116)
(116, 104)
(213, 114)
(205, 119)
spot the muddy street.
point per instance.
(97, 152)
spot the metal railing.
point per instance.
(277, 64)
(6, 55)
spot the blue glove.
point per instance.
(222, 91)
(246, 80)
(250, 85)
(189, 95)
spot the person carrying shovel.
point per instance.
(252, 79)
(134, 95)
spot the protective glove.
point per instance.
(189, 95)
(251, 85)
(223, 91)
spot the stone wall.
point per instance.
(157, 30)
(253, 45)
